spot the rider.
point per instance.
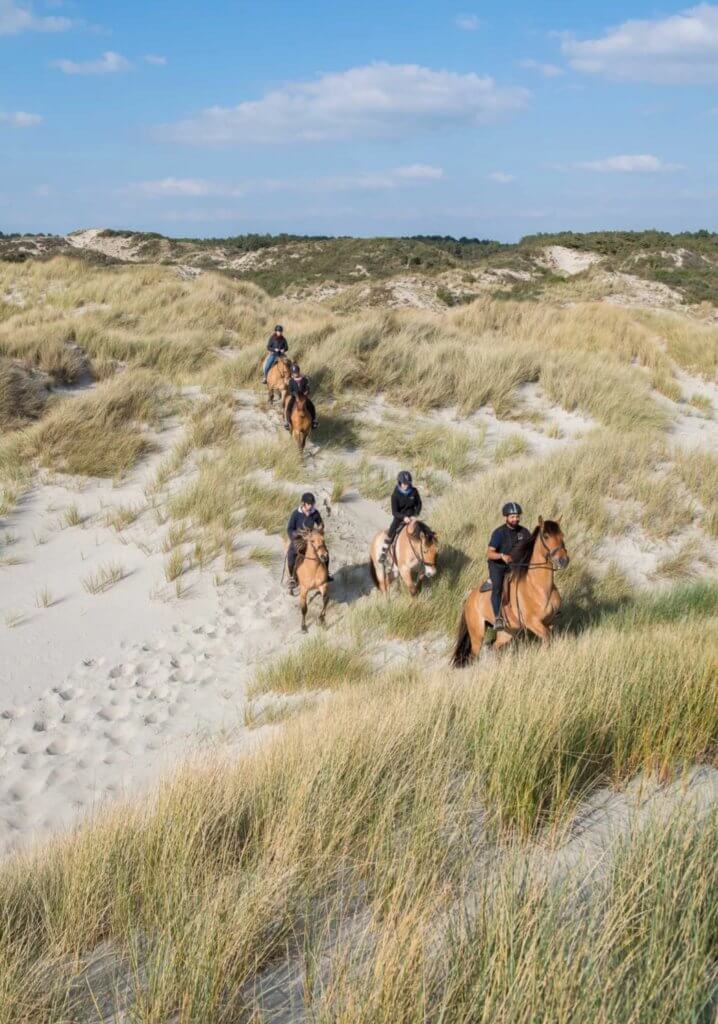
(276, 346)
(306, 517)
(405, 504)
(501, 543)
(298, 385)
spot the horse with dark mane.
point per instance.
(530, 601)
(278, 379)
(312, 570)
(413, 557)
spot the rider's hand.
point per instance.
(506, 558)
(407, 519)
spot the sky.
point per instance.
(372, 118)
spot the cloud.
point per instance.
(109, 63)
(394, 177)
(153, 58)
(20, 119)
(682, 48)
(376, 101)
(547, 70)
(502, 177)
(16, 18)
(642, 163)
(467, 22)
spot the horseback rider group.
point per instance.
(406, 501)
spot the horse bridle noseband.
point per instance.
(548, 560)
(419, 557)
(308, 558)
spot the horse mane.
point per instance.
(522, 554)
(523, 551)
(423, 531)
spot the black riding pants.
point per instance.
(497, 574)
(396, 524)
(310, 408)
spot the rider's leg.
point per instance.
(291, 563)
(388, 540)
(288, 413)
(312, 412)
(268, 364)
(497, 572)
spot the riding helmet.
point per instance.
(279, 329)
(294, 368)
(308, 498)
(404, 477)
(512, 508)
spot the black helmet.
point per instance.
(294, 368)
(512, 508)
(308, 498)
(279, 329)
(404, 477)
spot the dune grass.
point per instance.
(314, 665)
(423, 445)
(368, 851)
(22, 397)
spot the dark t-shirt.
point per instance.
(504, 539)
(298, 386)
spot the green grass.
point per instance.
(422, 445)
(314, 665)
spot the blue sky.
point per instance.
(372, 118)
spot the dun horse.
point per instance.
(312, 570)
(532, 602)
(415, 548)
(300, 420)
(278, 379)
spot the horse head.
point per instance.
(551, 537)
(314, 539)
(428, 546)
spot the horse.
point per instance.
(533, 601)
(415, 546)
(312, 570)
(278, 379)
(300, 420)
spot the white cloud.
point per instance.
(109, 63)
(20, 119)
(468, 22)
(502, 177)
(547, 70)
(642, 163)
(376, 101)
(154, 58)
(680, 48)
(16, 18)
(174, 187)
(394, 177)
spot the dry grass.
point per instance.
(104, 578)
(423, 445)
(315, 665)
(367, 852)
(22, 395)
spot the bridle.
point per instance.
(419, 556)
(308, 558)
(548, 563)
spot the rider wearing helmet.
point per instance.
(276, 346)
(306, 517)
(298, 385)
(501, 543)
(405, 504)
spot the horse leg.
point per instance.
(539, 629)
(303, 606)
(324, 591)
(408, 579)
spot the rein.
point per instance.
(420, 556)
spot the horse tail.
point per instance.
(462, 647)
(372, 570)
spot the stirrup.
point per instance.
(499, 622)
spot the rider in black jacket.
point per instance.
(298, 385)
(276, 346)
(405, 504)
(306, 517)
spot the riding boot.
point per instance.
(499, 622)
(287, 426)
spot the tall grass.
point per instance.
(365, 851)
